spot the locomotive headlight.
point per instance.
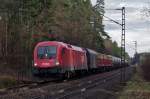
(35, 64)
(57, 62)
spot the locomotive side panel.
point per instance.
(79, 60)
(67, 60)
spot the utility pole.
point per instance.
(123, 70)
(135, 55)
(99, 7)
(123, 40)
(96, 20)
(135, 42)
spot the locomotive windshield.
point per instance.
(47, 52)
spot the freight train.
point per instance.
(67, 60)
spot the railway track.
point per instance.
(24, 85)
(85, 86)
(31, 84)
(65, 89)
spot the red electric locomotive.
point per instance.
(59, 57)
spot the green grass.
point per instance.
(137, 88)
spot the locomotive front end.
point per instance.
(46, 57)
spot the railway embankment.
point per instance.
(136, 88)
(139, 86)
(7, 76)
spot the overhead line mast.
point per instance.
(123, 25)
(123, 47)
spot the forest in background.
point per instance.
(25, 22)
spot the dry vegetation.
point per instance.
(7, 81)
(10, 75)
(139, 86)
(145, 68)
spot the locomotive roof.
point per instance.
(63, 44)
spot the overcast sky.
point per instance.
(137, 24)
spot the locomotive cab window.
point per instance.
(47, 52)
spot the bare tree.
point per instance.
(145, 11)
